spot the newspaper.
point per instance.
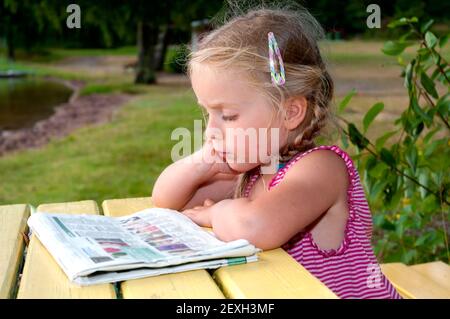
(94, 249)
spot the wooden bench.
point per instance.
(275, 275)
(423, 281)
(13, 225)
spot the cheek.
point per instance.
(253, 144)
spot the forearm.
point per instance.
(178, 183)
(240, 218)
(231, 219)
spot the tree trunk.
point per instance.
(164, 38)
(10, 43)
(146, 40)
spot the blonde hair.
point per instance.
(240, 44)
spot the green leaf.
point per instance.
(399, 229)
(419, 128)
(424, 178)
(426, 26)
(404, 37)
(422, 239)
(394, 48)
(431, 147)
(387, 157)
(430, 39)
(385, 223)
(411, 156)
(378, 170)
(356, 137)
(379, 143)
(409, 256)
(402, 21)
(346, 100)
(371, 114)
(443, 40)
(429, 204)
(443, 105)
(344, 140)
(376, 190)
(430, 134)
(428, 85)
(408, 73)
(418, 110)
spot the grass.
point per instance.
(57, 54)
(113, 87)
(39, 69)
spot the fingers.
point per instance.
(208, 202)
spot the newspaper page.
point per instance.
(155, 237)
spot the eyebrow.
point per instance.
(217, 104)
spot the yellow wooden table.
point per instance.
(29, 271)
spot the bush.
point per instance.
(408, 182)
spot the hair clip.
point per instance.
(277, 78)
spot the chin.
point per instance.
(242, 167)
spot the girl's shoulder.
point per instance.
(323, 165)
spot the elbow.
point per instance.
(159, 200)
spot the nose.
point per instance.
(213, 131)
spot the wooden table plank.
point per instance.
(275, 275)
(42, 276)
(437, 271)
(125, 206)
(412, 284)
(190, 284)
(13, 223)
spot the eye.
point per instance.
(229, 118)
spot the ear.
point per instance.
(295, 112)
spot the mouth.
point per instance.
(223, 155)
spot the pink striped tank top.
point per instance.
(350, 271)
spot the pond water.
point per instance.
(25, 101)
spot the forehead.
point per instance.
(214, 87)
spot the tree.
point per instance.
(24, 23)
(154, 20)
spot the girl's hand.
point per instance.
(201, 215)
(213, 162)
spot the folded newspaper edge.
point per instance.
(110, 277)
(94, 249)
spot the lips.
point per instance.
(223, 155)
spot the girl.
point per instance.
(314, 206)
